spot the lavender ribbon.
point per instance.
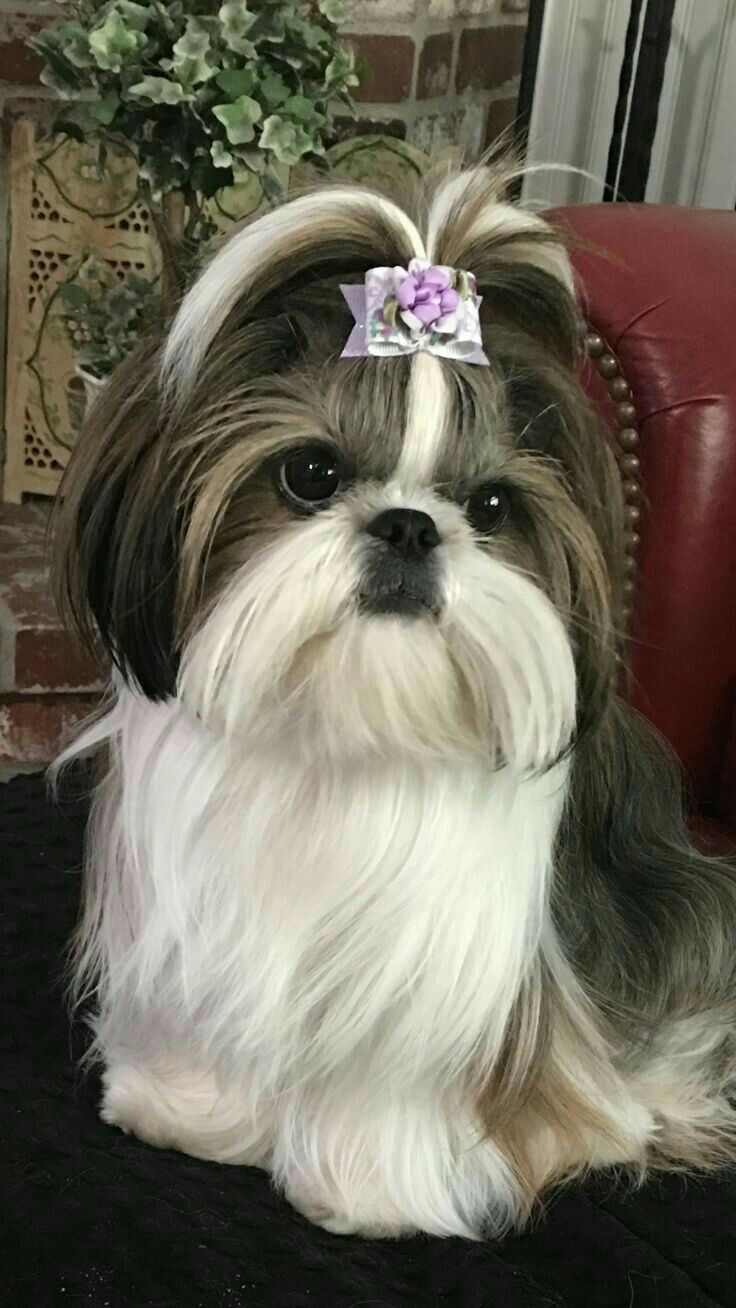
(423, 307)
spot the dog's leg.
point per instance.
(173, 1107)
(361, 1169)
(689, 1083)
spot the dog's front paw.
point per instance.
(176, 1109)
(129, 1102)
(335, 1216)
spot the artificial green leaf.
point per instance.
(273, 88)
(335, 11)
(235, 81)
(169, 15)
(59, 82)
(159, 90)
(288, 141)
(254, 160)
(135, 15)
(240, 45)
(341, 69)
(59, 75)
(237, 21)
(73, 295)
(190, 63)
(74, 42)
(234, 13)
(302, 109)
(207, 179)
(221, 157)
(275, 33)
(271, 187)
(163, 175)
(91, 270)
(306, 34)
(238, 119)
(113, 45)
(105, 110)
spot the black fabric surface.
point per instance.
(90, 1216)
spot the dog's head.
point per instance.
(363, 555)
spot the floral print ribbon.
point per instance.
(422, 307)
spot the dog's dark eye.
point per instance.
(487, 508)
(310, 478)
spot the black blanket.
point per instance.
(90, 1216)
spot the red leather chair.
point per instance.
(659, 285)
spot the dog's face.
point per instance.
(363, 557)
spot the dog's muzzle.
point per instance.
(402, 573)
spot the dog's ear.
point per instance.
(117, 527)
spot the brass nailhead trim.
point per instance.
(629, 465)
(627, 439)
(619, 389)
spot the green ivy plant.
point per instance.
(103, 317)
(201, 90)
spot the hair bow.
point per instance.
(422, 307)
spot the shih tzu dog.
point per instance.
(387, 890)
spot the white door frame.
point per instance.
(694, 152)
(575, 94)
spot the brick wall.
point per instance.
(48, 684)
(438, 72)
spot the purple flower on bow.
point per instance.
(426, 298)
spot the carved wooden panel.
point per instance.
(62, 210)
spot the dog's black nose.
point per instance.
(411, 533)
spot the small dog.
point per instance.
(388, 892)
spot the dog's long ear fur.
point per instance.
(168, 413)
(117, 529)
(642, 913)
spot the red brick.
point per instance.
(54, 661)
(390, 66)
(18, 63)
(501, 115)
(34, 729)
(434, 66)
(24, 585)
(36, 654)
(489, 56)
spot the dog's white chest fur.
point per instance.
(376, 914)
